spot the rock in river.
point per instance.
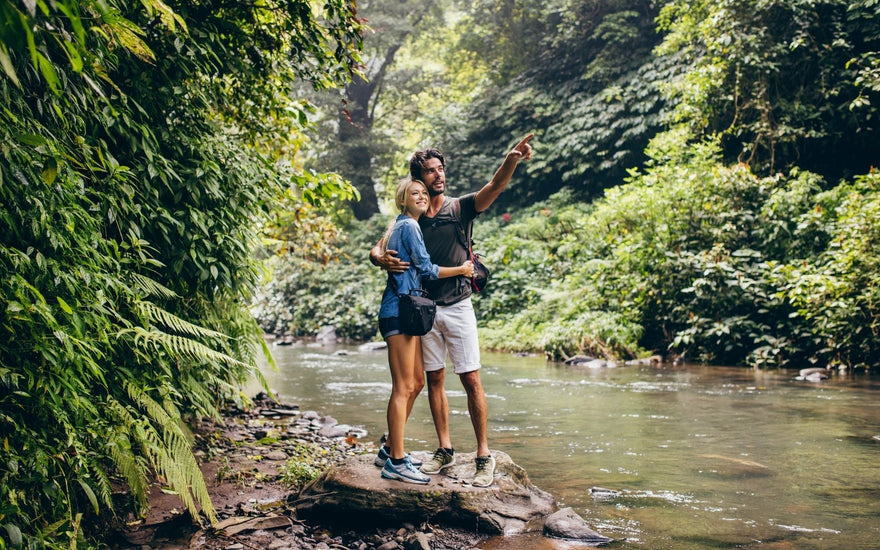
(354, 491)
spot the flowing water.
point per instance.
(678, 457)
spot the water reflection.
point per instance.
(664, 457)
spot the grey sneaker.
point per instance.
(382, 456)
(439, 461)
(485, 471)
(404, 472)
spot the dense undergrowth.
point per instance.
(689, 258)
(135, 162)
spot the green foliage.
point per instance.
(836, 296)
(133, 167)
(784, 82)
(304, 293)
(305, 464)
(531, 302)
(694, 258)
(590, 91)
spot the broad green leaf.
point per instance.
(14, 534)
(73, 55)
(47, 69)
(64, 306)
(6, 63)
(31, 139)
(90, 495)
(50, 171)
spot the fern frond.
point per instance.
(170, 321)
(125, 460)
(149, 287)
(154, 410)
(267, 352)
(102, 482)
(202, 396)
(179, 345)
(170, 451)
(174, 460)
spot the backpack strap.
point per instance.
(463, 233)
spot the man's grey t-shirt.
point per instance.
(445, 240)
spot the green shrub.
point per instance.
(694, 258)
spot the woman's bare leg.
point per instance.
(403, 360)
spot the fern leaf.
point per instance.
(149, 287)
(120, 449)
(168, 320)
(179, 345)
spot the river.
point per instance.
(688, 457)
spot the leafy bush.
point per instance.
(132, 168)
(695, 258)
(304, 295)
(340, 287)
(837, 296)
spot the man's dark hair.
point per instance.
(419, 158)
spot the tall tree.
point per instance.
(357, 145)
(580, 74)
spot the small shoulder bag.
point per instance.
(415, 311)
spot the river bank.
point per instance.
(255, 462)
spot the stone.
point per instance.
(326, 333)
(566, 524)
(417, 541)
(355, 489)
(338, 430)
(579, 360)
(238, 524)
(373, 346)
(813, 374)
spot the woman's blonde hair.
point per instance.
(400, 203)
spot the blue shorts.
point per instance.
(389, 326)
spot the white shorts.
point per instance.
(455, 334)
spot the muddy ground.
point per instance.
(255, 462)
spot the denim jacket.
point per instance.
(406, 238)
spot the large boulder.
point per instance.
(355, 492)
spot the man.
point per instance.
(455, 326)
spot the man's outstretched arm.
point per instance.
(487, 195)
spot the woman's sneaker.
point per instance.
(485, 471)
(439, 461)
(404, 472)
(382, 456)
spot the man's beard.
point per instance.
(433, 192)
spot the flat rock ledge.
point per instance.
(355, 492)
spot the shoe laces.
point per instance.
(483, 462)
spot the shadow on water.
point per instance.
(684, 457)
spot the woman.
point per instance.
(405, 351)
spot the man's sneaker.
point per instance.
(404, 472)
(485, 471)
(382, 457)
(439, 461)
